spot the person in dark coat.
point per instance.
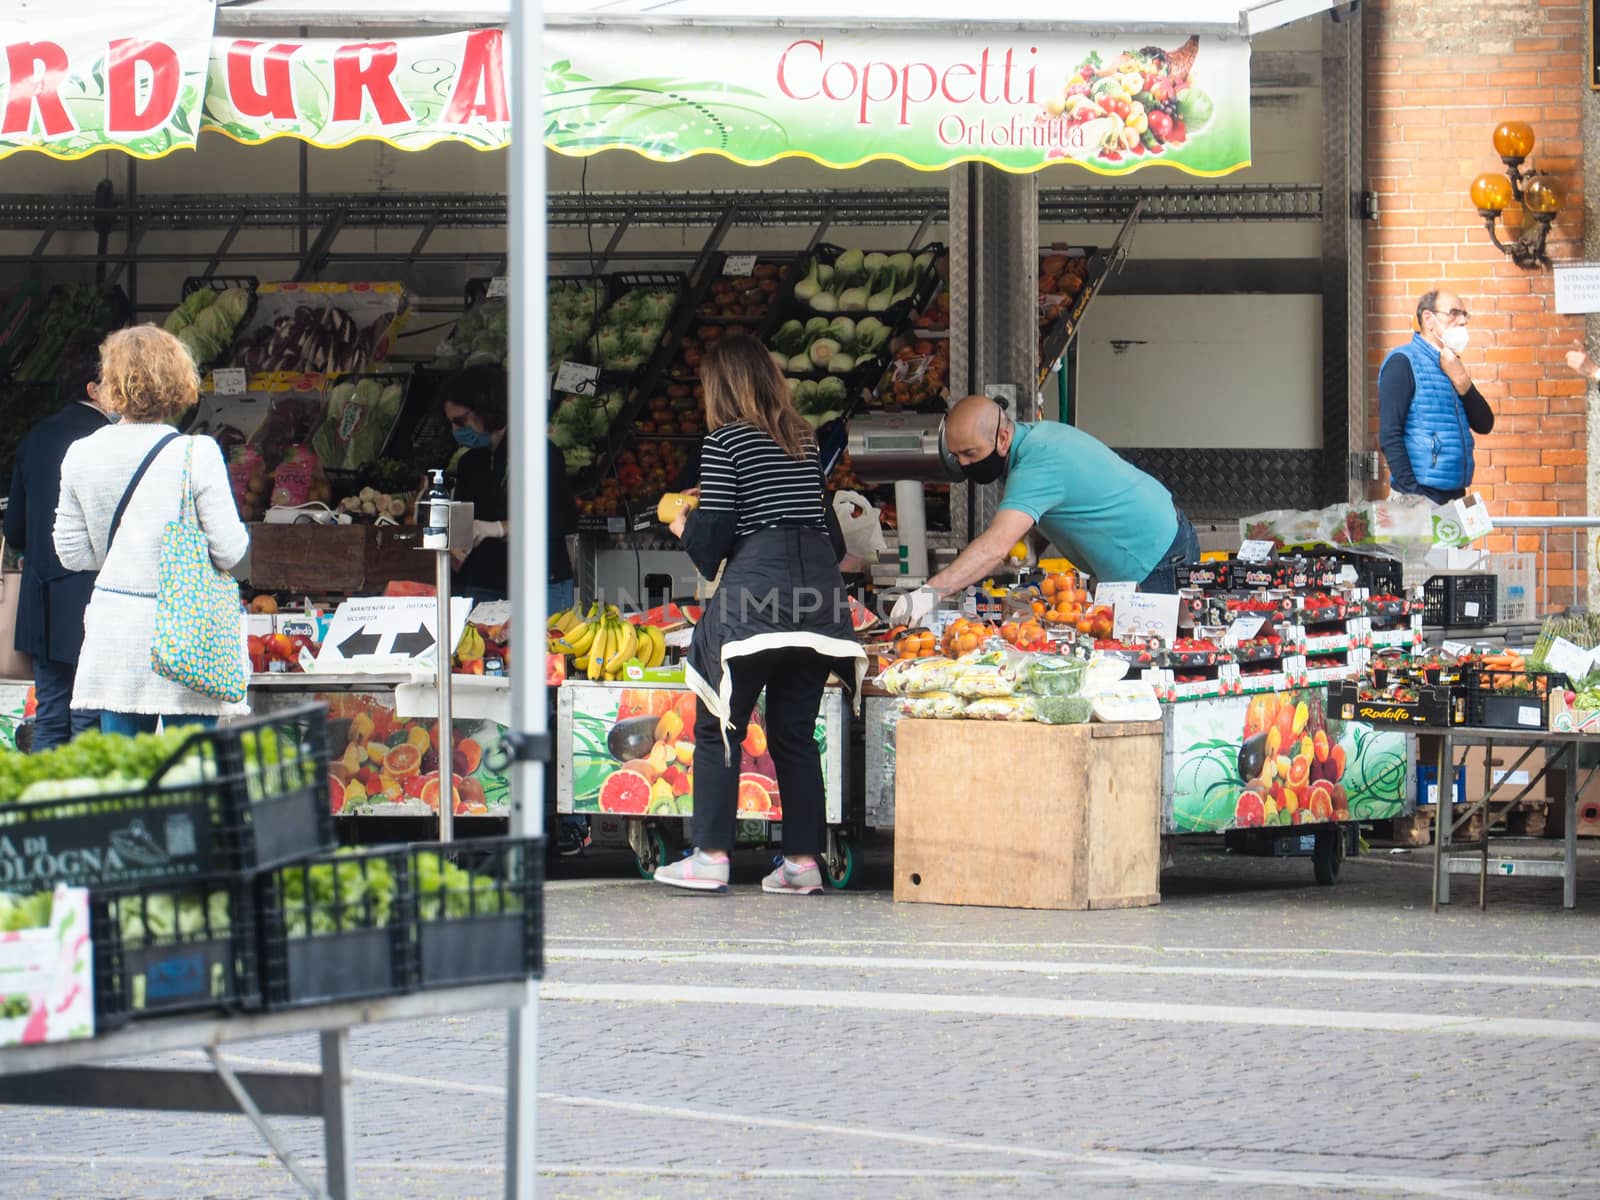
(779, 619)
(50, 607)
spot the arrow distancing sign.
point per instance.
(384, 633)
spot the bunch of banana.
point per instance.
(652, 646)
(602, 643)
(471, 645)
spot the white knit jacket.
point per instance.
(114, 668)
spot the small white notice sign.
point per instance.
(388, 632)
(1578, 288)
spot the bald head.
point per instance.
(975, 427)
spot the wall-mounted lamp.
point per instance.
(1539, 196)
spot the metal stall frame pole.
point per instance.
(444, 652)
(529, 510)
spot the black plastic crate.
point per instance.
(164, 949)
(1497, 699)
(254, 793)
(1434, 706)
(479, 911)
(1460, 601)
(335, 927)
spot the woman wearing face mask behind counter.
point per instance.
(475, 404)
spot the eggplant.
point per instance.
(632, 738)
(1252, 757)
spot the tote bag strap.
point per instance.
(186, 510)
(133, 486)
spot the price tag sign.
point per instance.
(230, 381)
(579, 379)
(1242, 630)
(1142, 615)
(1255, 551)
(497, 288)
(1456, 649)
(1113, 593)
(739, 265)
(1570, 659)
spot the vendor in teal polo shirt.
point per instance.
(1107, 516)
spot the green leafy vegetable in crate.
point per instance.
(446, 891)
(72, 307)
(332, 896)
(207, 320)
(95, 763)
(479, 338)
(160, 917)
(24, 912)
(361, 414)
(1581, 629)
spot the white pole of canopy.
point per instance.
(529, 523)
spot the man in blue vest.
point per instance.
(1428, 408)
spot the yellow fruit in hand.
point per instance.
(673, 503)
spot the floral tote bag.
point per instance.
(196, 641)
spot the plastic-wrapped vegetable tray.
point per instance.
(240, 797)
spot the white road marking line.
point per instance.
(1101, 1165)
(1134, 947)
(1048, 967)
(254, 1163)
(1083, 1010)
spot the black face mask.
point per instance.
(990, 467)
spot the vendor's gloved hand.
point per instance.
(487, 529)
(914, 608)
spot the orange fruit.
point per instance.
(402, 760)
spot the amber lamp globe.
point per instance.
(1513, 140)
(1540, 195)
(1491, 193)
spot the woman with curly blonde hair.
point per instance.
(119, 488)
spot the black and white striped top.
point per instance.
(745, 472)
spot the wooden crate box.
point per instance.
(354, 560)
(1027, 816)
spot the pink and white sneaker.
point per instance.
(792, 880)
(697, 873)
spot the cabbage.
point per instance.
(853, 300)
(197, 302)
(842, 330)
(213, 323)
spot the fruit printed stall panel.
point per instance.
(627, 750)
(1278, 759)
(383, 765)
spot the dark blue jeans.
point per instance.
(129, 724)
(55, 721)
(1185, 548)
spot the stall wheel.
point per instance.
(839, 860)
(1327, 852)
(651, 851)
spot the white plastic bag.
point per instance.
(860, 523)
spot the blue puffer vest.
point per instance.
(1438, 439)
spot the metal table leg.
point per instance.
(337, 1142)
(1569, 869)
(522, 1100)
(1445, 810)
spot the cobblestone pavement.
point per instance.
(1253, 1035)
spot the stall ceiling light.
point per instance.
(1212, 17)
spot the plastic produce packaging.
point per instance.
(915, 676)
(978, 682)
(1062, 710)
(940, 706)
(1127, 701)
(1001, 708)
(1056, 676)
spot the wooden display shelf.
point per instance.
(355, 560)
(1078, 828)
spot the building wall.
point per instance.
(1441, 74)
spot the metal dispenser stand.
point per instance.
(455, 534)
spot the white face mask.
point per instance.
(1456, 338)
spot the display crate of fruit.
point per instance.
(1503, 694)
(746, 290)
(1206, 575)
(1069, 278)
(625, 498)
(1192, 652)
(1397, 705)
(917, 377)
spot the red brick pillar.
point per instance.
(1440, 75)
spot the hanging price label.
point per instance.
(1255, 551)
(738, 265)
(1242, 630)
(230, 381)
(497, 288)
(580, 379)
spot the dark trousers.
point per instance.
(794, 680)
(1185, 548)
(55, 721)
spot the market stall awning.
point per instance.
(1166, 83)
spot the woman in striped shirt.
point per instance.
(779, 620)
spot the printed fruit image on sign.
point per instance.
(1277, 758)
(388, 766)
(632, 754)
